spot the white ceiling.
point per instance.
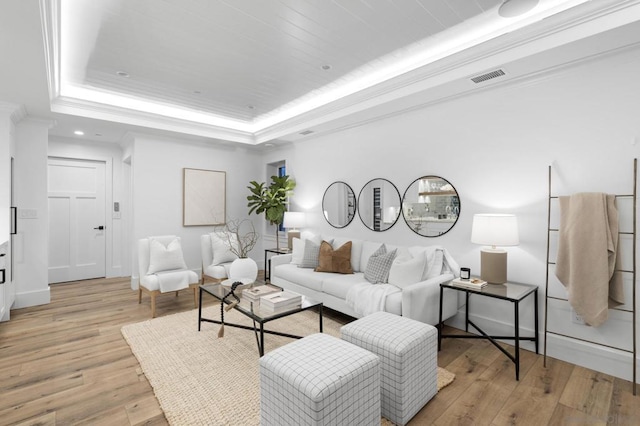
(252, 71)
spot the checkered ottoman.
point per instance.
(408, 360)
(319, 380)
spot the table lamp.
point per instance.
(494, 230)
(292, 221)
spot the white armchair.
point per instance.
(162, 269)
(216, 257)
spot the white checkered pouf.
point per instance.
(319, 380)
(408, 351)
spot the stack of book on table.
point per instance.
(254, 294)
(280, 300)
(476, 283)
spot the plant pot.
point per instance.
(243, 269)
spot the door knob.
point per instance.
(100, 227)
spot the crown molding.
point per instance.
(99, 111)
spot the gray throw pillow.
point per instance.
(311, 254)
(379, 265)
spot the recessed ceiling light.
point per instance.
(78, 132)
(326, 67)
(513, 8)
(122, 74)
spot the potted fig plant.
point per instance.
(271, 200)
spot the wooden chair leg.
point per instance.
(139, 295)
(176, 294)
(153, 305)
(195, 297)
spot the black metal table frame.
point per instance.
(261, 321)
(267, 261)
(493, 339)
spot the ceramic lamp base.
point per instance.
(493, 266)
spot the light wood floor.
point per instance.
(67, 363)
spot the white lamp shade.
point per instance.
(495, 230)
(294, 220)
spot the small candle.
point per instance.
(465, 273)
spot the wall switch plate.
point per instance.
(28, 213)
(575, 318)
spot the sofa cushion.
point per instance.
(379, 264)
(407, 269)
(338, 260)
(339, 285)
(220, 245)
(303, 276)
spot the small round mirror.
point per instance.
(339, 204)
(431, 206)
(379, 205)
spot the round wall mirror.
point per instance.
(339, 204)
(431, 206)
(379, 205)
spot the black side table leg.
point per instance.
(200, 309)
(440, 321)
(517, 339)
(535, 307)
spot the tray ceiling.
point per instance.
(235, 69)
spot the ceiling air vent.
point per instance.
(488, 76)
(306, 132)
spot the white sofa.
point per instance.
(418, 300)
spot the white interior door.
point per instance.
(76, 220)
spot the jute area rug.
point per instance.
(200, 379)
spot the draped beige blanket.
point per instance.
(587, 249)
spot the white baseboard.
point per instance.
(32, 298)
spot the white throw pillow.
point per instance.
(406, 269)
(298, 251)
(163, 258)
(434, 260)
(220, 247)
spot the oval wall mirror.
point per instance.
(339, 204)
(379, 204)
(431, 206)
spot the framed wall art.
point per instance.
(204, 197)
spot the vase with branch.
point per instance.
(271, 200)
(241, 237)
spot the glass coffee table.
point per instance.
(252, 310)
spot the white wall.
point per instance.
(157, 168)
(117, 189)
(31, 248)
(495, 147)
